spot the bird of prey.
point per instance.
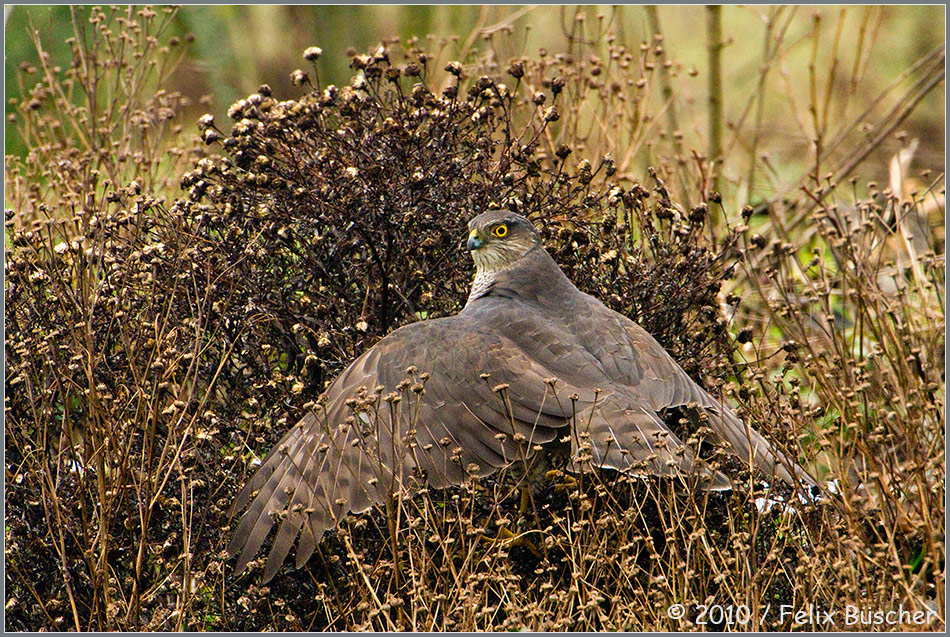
(529, 359)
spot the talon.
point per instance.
(506, 537)
(562, 481)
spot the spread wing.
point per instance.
(381, 428)
(586, 344)
(655, 381)
(442, 399)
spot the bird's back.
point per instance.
(582, 340)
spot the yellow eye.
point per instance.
(500, 231)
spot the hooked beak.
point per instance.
(474, 243)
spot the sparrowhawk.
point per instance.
(530, 358)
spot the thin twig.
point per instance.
(714, 50)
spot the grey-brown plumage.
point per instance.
(383, 429)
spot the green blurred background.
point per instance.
(237, 48)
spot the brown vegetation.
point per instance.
(159, 340)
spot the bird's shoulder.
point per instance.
(431, 336)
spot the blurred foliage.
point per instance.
(862, 50)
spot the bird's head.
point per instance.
(498, 238)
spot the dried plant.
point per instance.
(159, 341)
